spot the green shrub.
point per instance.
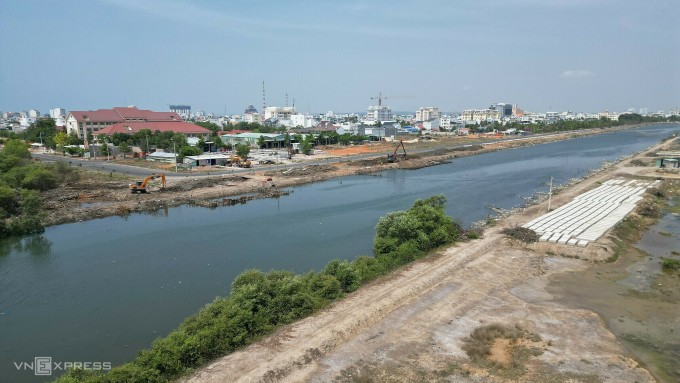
(260, 302)
(39, 179)
(670, 263)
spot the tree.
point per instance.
(73, 138)
(187, 151)
(124, 148)
(261, 142)
(61, 139)
(43, 130)
(242, 150)
(17, 148)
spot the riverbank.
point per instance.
(102, 194)
(412, 325)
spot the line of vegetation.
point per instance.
(21, 181)
(260, 302)
(569, 125)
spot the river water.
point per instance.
(101, 290)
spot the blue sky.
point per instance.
(579, 55)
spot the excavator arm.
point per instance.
(140, 186)
(392, 157)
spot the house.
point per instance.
(162, 156)
(272, 140)
(82, 122)
(670, 159)
(207, 159)
(187, 129)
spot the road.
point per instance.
(103, 165)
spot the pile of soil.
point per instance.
(204, 182)
(303, 171)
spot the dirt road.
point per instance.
(99, 194)
(412, 325)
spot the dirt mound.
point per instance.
(303, 171)
(205, 182)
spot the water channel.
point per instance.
(102, 290)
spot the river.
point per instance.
(101, 290)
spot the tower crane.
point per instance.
(380, 97)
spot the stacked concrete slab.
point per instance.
(591, 214)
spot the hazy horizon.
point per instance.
(576, 55)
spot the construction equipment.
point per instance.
(380, 97)
(392, 157)
(240, 161)
(140, 186)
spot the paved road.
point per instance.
(102, 165)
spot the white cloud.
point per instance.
(578, 73)
(255, 27)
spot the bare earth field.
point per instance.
(413, 325)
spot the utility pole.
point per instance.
(550, 194)
(175, 153)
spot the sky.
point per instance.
(543, 55)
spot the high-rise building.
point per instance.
(427, 113)
(379, 113)
(279, 113)
(505, 110)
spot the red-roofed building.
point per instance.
(96, 120)
(186, 128)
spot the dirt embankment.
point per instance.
(417, 324)
(100, 194)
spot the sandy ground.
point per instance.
(410, 326)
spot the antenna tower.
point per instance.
(264, 101)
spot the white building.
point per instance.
(304, 120)
(480, 115)
(445, 123)
(378, 113)
(278, 112)
(252, 118)
(33, 113)
(57, 112)
(427, 113)
(26, 121)
(431, 125)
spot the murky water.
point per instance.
(638, 300)
(102, 290)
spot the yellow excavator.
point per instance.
(140, 186)
(239, 161)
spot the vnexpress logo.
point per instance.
(43, 365)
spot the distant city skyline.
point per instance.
(559, 55)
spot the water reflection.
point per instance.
(36, 245)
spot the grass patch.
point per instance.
(500, 349)
(521, 234)
(670, 264)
